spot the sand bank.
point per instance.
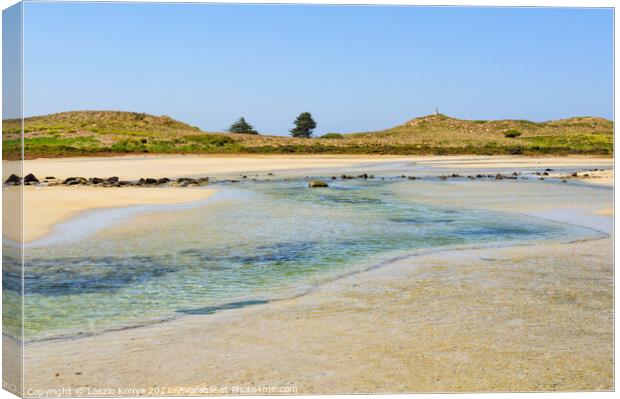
(134, 167)
(47, 206)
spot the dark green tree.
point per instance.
(241, 126)
(304, 124)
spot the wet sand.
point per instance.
(520, 318)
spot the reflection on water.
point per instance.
(260, 242)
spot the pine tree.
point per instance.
(304, 124)
(241, 126)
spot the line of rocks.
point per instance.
(113, 181)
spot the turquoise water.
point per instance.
(251, 243)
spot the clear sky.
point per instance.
(354, 68)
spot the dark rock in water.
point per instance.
(537, 173)
(515, 174)
(30, 179)
(150, 180)
(564, 181)
(269, 174)
(443, 177)
(245, 177)
(141, 181)
(586, 175)
(334, 178)
(122, 182)
(345, 177)
(470, 177)
(456, 175)
(14, 180)
(317, 183)
(205, 180)
(112, 179)
(402, 176)
(479, 176)
(362, 176)
(371, 176)
(499, 177)
(548, 170)
(545, 174)
(50, 178)
(574, 174)
(541, 178)
(411, 177)
(163, 180)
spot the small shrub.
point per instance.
(515, 150)
(332, 136)
(512, 134)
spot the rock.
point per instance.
(515, 174)
(574, 174)
(411, 177)
(269, 174)
(479, 176)
(30, 179)
(163, 180)
(470, 177)
(72, 181)
(545, 174)
(150, 180)
(317, 183)
(112, 179)
(362, 176)
(564, 181)
(14, 180)
(334, 178)
(443, 177)
(50, 178)
(204, 180)
(96, 180)
(499, 177)
(548, 170)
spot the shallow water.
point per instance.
(250, 244)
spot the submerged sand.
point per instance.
(511, 319)
(521, 318)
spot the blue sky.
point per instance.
(353, 68)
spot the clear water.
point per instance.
(252, 243)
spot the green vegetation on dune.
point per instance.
(111, 132)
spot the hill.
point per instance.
(113, 132)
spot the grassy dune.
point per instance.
(113, 132)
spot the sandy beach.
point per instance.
(523, 318)
(48, 206)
